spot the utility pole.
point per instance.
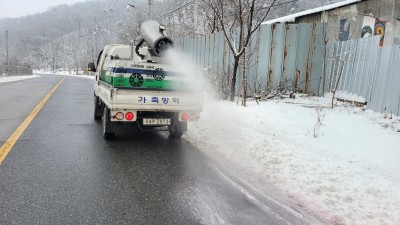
(7, 61)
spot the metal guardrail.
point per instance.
(15, 71)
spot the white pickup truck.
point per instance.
(135, 84)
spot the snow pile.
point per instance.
(339, 164)
(64, 73)
(4, 79)
(349, 97)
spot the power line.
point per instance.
(279, 4)
(266, 7)
(176, 8)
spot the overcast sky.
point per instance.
(18, 8)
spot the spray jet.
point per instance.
(153, 33)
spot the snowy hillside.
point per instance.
(6, 79)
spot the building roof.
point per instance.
(289, 10)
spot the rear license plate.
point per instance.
(156, 122)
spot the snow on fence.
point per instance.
(369, 71)
(288, 56)
(15, 71)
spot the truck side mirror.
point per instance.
(91, 67)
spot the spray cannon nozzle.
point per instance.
(162, 45)
(153, 33)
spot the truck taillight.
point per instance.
(184, 116)
(119, 116)
(129, 116)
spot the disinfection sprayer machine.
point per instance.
(139, 85)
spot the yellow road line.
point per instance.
(7, 146)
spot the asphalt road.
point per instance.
(61, 171)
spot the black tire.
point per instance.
(108, 126)
(174, 134)
(98, 108)
(177, 129)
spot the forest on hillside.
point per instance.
(69, 36)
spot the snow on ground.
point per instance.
(4, 79)
(64, 73)
(342, 165)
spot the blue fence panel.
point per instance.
(393, 90)
(296, 55)
(316, 60)
(220, 53)
(194, 49)
(203, 49)
(227, 59)
(264, 55)
(277, 56)
(211, 52)
(290, 55)
(368, 71)
(303, 46)
(253, 52)
(207, 51)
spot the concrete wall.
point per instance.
(385, 10)
(396, 14)
(381, 9)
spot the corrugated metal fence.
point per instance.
(369, 71)
(293, 57)
(281, 55)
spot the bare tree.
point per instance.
(238, 20)
(210, 19)
(130, 28)
(183, 17)
(54, 52)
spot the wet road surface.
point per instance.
(61, 171)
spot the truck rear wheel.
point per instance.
(174, 134)
(108, 126)
(177, 129)
(98, 110)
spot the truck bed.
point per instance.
(148, 100)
